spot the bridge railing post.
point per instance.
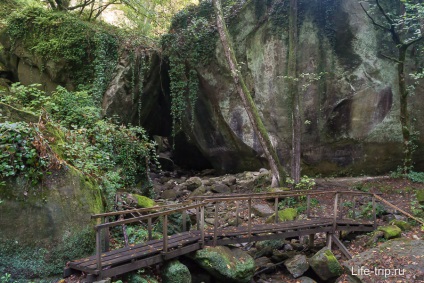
(250, 218)
(308, 206)
(202, 226)
(149, 228)
(374, 213)
(336, 201)
(276, 210)
(237, 213)
(165, 233)
(215, 226)
(98, 250)
(184, 218)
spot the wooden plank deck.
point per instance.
(134, 252)
(133, 257)
(151, 252)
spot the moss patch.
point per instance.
(390, 231)
(325, 264)
(226, 264)
(144, 202)
(403, 225)
(288, 214)
(176, 272)
(420, 195)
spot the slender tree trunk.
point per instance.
(404, 113)
(294, 92)
(278, 174)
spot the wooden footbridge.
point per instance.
(214, 229)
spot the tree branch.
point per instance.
(413, 41)
(384, 12)
(373, 21)
(390, 58)
(86, 3)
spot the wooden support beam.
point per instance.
(398, 209)
(328, 240)
(342, 247)
(311, 240)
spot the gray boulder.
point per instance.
(297, 265)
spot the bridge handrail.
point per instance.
(273, 195)
(147, 216)
(129, 211)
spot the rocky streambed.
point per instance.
(395, 246)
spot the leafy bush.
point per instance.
(18, 154)
(305, 183)
(73, 109)
(118, 156)
(28, 98)
(366, 210)
(416, 177)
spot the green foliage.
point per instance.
(65, 39)
(18, 153)
(366, 210)
(6, 278)
(73, 109)
(191, 46)
(416, 177)
(305, 183)
(28, 98)
(117, 156)
(33, 262)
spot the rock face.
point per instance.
(233, 265)
(325, 264)
(352, 112)
(44, 225)
(402, 254)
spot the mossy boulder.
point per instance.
(403, 225)
(390, 231)
(143, 202)
(325, 264)
(420, 195)
(233, 265)
(287, 214)
(175, 272)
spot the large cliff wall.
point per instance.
(351, 115)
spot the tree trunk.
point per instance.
(404, 113)
(278, 174)
(294, 93)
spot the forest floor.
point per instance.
(399, 192)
